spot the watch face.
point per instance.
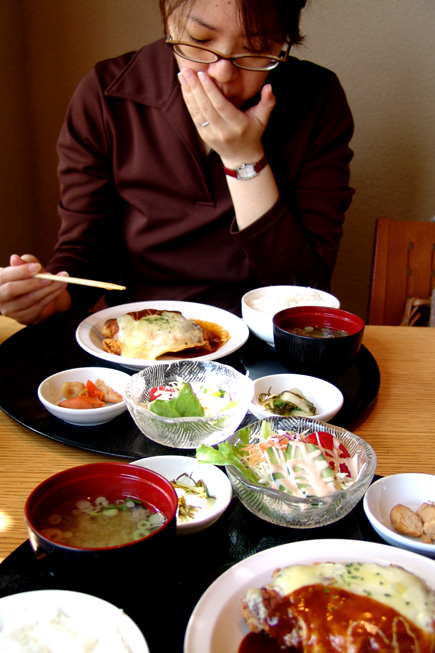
(247, 171)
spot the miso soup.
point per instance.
(319, 332)
(100, 522)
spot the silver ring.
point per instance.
(204, 124)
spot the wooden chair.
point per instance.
(403, 269)
(417, 312)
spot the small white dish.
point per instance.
(50, 394)
(260, 305)
(77, 618)
(410, 490)
(326, 397)
(215, 479)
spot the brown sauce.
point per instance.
(360, 623)
(261, 643)
(217, 336)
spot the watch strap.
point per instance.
(247, 170)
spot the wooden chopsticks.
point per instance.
(80, 282)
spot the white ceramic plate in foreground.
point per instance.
(327, 398)
(216, 624)
(215, 479)
(89, 337)
(410, 490)
(86, 617)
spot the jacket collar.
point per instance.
(149, 76)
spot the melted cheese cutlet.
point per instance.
(152, 335)
(344, 607)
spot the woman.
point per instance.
(201, 166)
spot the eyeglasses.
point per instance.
(257, 62)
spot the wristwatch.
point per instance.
(247, 170)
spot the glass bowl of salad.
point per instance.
(186, 403)
(295, 471)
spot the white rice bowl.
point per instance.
(260, 305)
(61, 621)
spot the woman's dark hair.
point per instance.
(264, 21)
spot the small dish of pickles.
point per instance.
(295, 395)
(204, 491)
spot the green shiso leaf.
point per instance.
(186, 404)
(228, 454)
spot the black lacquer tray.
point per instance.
(32, 354)
(159, 598)
(161, 601)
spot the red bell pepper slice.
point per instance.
(332, 450)
(155, 392)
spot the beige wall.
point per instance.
(382, 51)
(46, 46)
(384, 54)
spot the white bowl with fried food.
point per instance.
(50, 394)
(326, 397)
(406, 493)
(186, 470)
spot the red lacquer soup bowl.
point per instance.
(96, 521)
(316, 340)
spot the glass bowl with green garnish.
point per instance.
(295, 471)
(189, 402)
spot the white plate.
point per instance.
(86, 613)
(216, 624)
(89, 337)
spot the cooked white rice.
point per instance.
(59, 633)
(272, 303)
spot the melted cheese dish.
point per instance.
(152, 333)
(355, 607)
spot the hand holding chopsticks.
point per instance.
(80, 282)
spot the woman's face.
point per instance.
(215, 24)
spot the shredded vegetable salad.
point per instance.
(181, 399)
(304, 465)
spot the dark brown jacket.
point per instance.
(141, 205)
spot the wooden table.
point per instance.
(400, 425)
